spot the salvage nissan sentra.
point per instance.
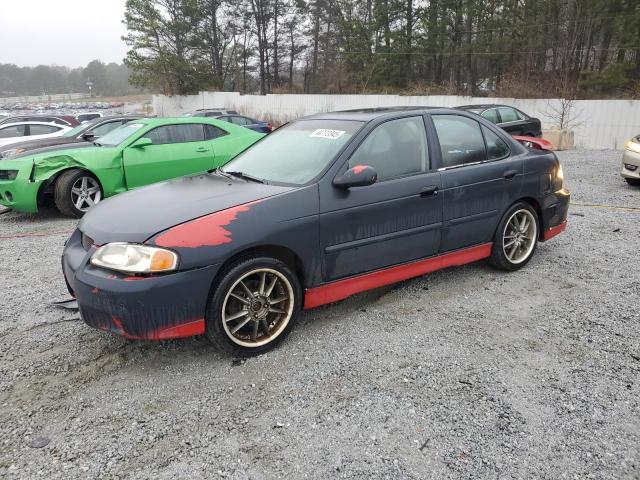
(323, 208)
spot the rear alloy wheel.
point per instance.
(76, 191)
(516, 238)
(254, 306)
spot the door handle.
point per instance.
(429, 191)
(509, 174)
(202, 149)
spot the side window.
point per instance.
(508, 115)
(42, 129)
(106, 128)
(187, 133)
(15, 131)
(243, 121)
(460, 140)
(176, 134)
(396, 148)
(211, 132)
(160, 135)
(491, 115)
(212, 114)
(496, 148)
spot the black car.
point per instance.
(86, 132)
(323, 208)
(510, 119)
(233, 117)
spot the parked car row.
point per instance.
(61, 106)
(260, 227)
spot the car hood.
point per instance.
(138, 215)
(42, 146)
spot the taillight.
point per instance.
(269, 127)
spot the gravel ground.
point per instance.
(465, 373)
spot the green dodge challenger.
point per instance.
(136, 154)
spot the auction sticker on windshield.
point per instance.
(327, 133)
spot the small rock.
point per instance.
(39, 442)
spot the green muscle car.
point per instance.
(136, 154)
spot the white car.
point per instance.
(16, 132)
(631, 162)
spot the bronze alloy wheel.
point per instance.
(257, 308)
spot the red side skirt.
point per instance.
(341, 289)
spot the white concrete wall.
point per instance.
(598, 124)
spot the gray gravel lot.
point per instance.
(465, 373)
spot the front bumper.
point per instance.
(630, 164)
(20, 194)
(144, 308)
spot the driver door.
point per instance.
(393, 221)
(177, 150)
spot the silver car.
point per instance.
(631, 161)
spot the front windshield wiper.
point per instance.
(219, 171)
(246, 176)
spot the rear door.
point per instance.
(511, 121)
(480, 179)
(177, 150)
(37, 131)
(393, 221)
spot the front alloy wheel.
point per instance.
(85, 193)
(254, 306)
(76, 191)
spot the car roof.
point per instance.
(483, 106)
(34, 123)
(368, 114)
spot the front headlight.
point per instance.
(633, 145)
(134, 258)
(11, 152)
(8, 174)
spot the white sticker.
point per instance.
(326, 133)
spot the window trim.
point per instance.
(427, 143)
(480, 125)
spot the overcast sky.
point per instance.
(61, 32)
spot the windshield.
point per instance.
(74, 132)
(295, 153)
(120, 134)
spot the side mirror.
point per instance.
(358, 176)
(88, 136)
(142, 142)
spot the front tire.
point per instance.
(254, 306)
(634, 182)
(516, 238)
(76, 191)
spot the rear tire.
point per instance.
(634, 182)
(75, 192)
(254, 306)
(516, 238)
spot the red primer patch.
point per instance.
(95, 291)
(358, 169)
(207, 231)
